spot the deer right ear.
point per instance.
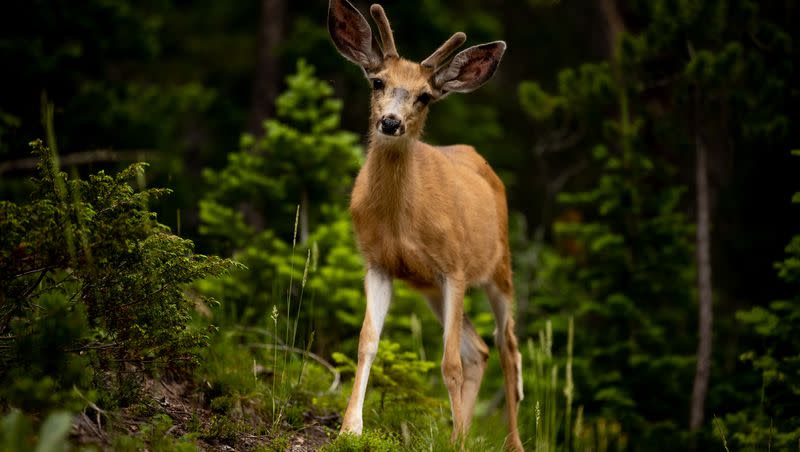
(470, 69)
(352, 35)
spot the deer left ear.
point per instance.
(470, 69)
(352, 35)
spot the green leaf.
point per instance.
(54, 431)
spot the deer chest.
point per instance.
(402, 254)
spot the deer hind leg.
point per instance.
(378, 286)
(452, 369)
(474, 355)
(500, 292)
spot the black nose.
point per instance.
(390, 124)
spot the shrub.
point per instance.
(91, 283)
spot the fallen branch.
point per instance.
(83, 158)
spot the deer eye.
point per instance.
(424, 98)
(378, 84)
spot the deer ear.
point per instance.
(352, 35)
(471, 68)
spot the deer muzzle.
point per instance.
(391, 125)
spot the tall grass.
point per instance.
(721, 430)
(544, 390)
(542, 416)
(265, 374)
(283, 387)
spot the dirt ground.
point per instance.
(185, 405)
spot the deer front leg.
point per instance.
(378, 286)
(452, 370)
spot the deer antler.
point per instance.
(445, 50)
(387, 38)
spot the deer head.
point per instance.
(401, 89)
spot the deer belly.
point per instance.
(405, 262)
(412, 272)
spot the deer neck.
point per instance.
(392, 176)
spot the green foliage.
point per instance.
(17, 433)
(256, 385)
(633, 254)
(224, 429)
(303, 155)
(582, 93)
(629, 250)
(154, 436)
(399, 377)
(367, 442)
(91, 281)
(548, 419)
(87, 71)
(124, 77)
(726, 65)
(775, 420)
(39, 373)
(634, 287)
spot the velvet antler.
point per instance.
(441, 54)
(387, 38)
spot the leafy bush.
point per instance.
(91, 283)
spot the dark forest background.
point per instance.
(646, 148)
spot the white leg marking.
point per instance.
(519, 377)
(453, 319)
(379, 295)
(447, 308)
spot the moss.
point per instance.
(225, 430)
(367, 442)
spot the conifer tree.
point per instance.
(302, 156)
(695, 79)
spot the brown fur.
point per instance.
(422, 212)
(435, 217)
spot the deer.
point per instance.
(435, 217)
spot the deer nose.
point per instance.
(390, 125)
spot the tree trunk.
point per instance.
(705, 315)
(267, 73)
(704, 289)
(616, 26)
(265, 84)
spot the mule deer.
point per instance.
(435, 217)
